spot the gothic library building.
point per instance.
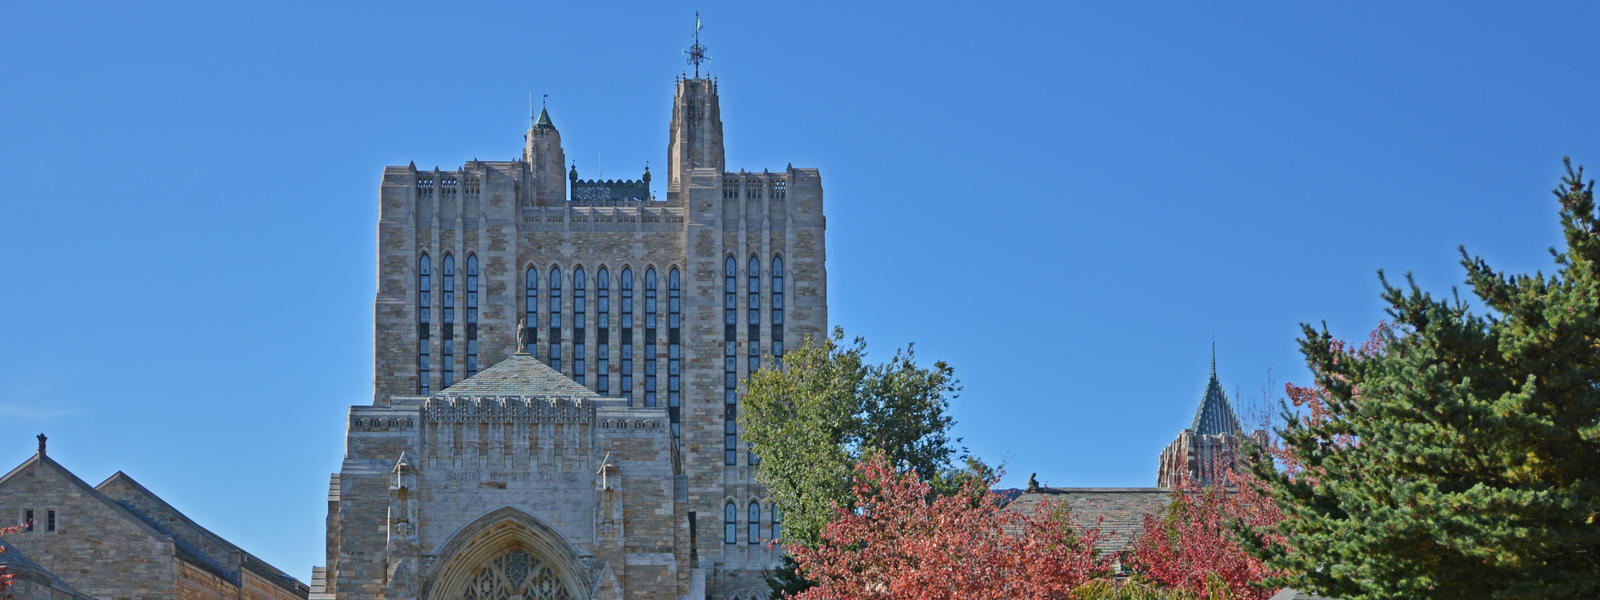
(556, 375)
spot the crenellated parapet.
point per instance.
(609, 192)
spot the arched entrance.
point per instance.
(507, 555)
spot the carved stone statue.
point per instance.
(522, 336)
(1033, 482)
(42, 438)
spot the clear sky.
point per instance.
(1067, 203)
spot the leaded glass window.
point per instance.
(472, 315)
(516, 575)
(602, 332)
(730, 373)
(579, 318)
(755, 523)
(777, 309)
(650, 336)
(530, 308)
(627, 334)
(554, 308)
(424, 312)
(730, 524)
(447, 338)
(674, 351)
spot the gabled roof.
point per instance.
(190, 537)
(45, 462)
(519, 375)
(1215, 416)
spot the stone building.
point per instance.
(119, 541)
(556, 367)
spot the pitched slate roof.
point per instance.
(518, 375)
(16, 562)
(1118, 512)
(1215, 415)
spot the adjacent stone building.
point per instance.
(556, 367)
(119, 541)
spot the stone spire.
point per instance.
(1215, 416)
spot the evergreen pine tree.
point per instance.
(1462, 459)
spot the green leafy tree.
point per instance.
(1462, 458)
(813, 420)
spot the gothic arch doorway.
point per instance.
(508, 555)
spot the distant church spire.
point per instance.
(1215, 415)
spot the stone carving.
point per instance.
(522, 336)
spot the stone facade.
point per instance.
(118, 541)
(605, 452)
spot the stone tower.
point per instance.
(1205, 452)
(609, 452)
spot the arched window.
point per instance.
(777, 309)
(753, 313)
(650, 336)
(579, 317)
(472, 315)
(447, 339)
(602, 332)
(424, 310)
(627, 334)
(755, 523)
(777, 523)
(730, 524)
(674, 351)
(530, 308)
(730, 361)
(555, 319)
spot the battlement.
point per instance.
(608, 192)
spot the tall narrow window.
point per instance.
(674, 351)
(730, 361)
(554, 308)
(730, 524)
(777, 310)
(627, 334)
(602, 332)
(579, 318)
(650, 336)
(424, 310)
(27, 519)
(777, 522)
(753, 313)
(472, 315)
(49, 521)
(755, 523)
(530, 309)
(447, 338)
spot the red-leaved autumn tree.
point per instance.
(1193, 546)
(904, 542)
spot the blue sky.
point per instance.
(1068, 203)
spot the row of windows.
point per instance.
(425, 314)
(730, 523)
(555, 342)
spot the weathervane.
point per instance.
(697, 52)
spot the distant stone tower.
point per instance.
(1205, 452)
(608, 457)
